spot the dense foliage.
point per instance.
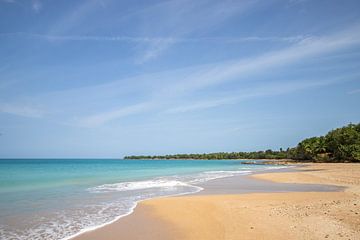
(342, 144)
(268, 154)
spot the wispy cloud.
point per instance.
(157, 42)
(21, 110)
(155, 49)
(173, 19)
(75, 17)
(175, 91)
(157, 45)
(104, 117)
(36, 5)
(160, 26)
(240, 69)
(179, 19)
(355, 91)
(266, 90)
(200, 105)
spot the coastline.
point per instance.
(143, 216)
(138, 205)
(200, 216)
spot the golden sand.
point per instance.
(300, 215)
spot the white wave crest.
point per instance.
(212, 175)
(167, 183)
(138, 185)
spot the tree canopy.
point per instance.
(339, 145)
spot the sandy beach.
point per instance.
(303, 213)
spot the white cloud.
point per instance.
(155, 49)
(212, 103)
(36, 5)
(21, 110)
(270, 89)
(236, 70)
(157, 43)
(178, 19)
(104, 117)
(239, 69)
(172, 91)
(75, 17)
(175, 19)
(355, 91)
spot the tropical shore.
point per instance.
(266, 213)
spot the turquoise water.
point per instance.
(58, 198)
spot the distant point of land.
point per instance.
(338, 145)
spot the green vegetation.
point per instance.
(339, 145)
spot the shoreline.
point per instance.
(131, 211)
(225, 159)
(168, 224)
(200, 189)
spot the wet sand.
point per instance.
(271, 208)
(256, 184)
(140, 225)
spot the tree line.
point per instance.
(339, 145)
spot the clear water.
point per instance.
(59, 198)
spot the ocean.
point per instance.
(61, 198)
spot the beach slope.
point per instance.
(287, 215)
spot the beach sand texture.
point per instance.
(288, 215)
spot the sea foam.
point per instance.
(107, 203)
(137, 185)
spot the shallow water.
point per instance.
(58, 198)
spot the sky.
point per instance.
(108, 78)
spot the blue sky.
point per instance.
(106, 78)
